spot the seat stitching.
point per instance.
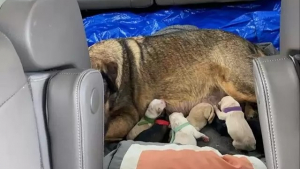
(269, 106)
(26, 84)
(78, 120)
(273, 60)
(79, 113)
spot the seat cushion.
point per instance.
(109, 4)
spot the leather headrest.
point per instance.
(46, 34)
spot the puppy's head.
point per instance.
(203, 110)
(227, 101)
(176, 119)
(163, 116)
(155, 108)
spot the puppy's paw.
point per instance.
(205, 139)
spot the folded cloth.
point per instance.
(140, 155)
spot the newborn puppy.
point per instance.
(158, 132)
(154, 109)
(183, 132)
(237, 126)
(200, 115)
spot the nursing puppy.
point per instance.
(183, 132)
(155, 108)
(200, 115)
(158, 132)
(237, 126)
(183, 68)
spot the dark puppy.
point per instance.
(220, 126)
(255, 127)
(158, 132)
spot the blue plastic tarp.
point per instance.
(256, 21)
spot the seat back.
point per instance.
(19, 143)
(278, 93)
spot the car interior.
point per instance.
(51, 101)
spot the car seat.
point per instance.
(19, 143)
(53, 117)
(277, 91)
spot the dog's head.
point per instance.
(155, 108)
(107, 57)
(227, 101)
(176, 119)
(163, 116)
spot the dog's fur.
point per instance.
(183, 68)
(237, 126)
(155, 109)
(156, 133)
(186, 135)
(200, 115)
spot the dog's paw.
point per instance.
(205, 139)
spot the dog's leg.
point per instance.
(249, 111)
(239, 85)
(198, 135)
(221, 115)
(237, 93)
(121, 122)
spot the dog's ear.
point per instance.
(110, 76)
(112, 71)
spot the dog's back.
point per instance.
(195, 63)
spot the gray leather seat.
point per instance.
(65, 119)
(19, 143)
(185, 2)
(110, 4)
(278, 94)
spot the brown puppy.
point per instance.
(200, 115)
(237, 126)
(182, 68)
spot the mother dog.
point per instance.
(183, 68)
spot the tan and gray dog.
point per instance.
(182, 68)
(200, 115)
(237, 126)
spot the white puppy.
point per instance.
(154, 109)
(237, 127)
(183, 132)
